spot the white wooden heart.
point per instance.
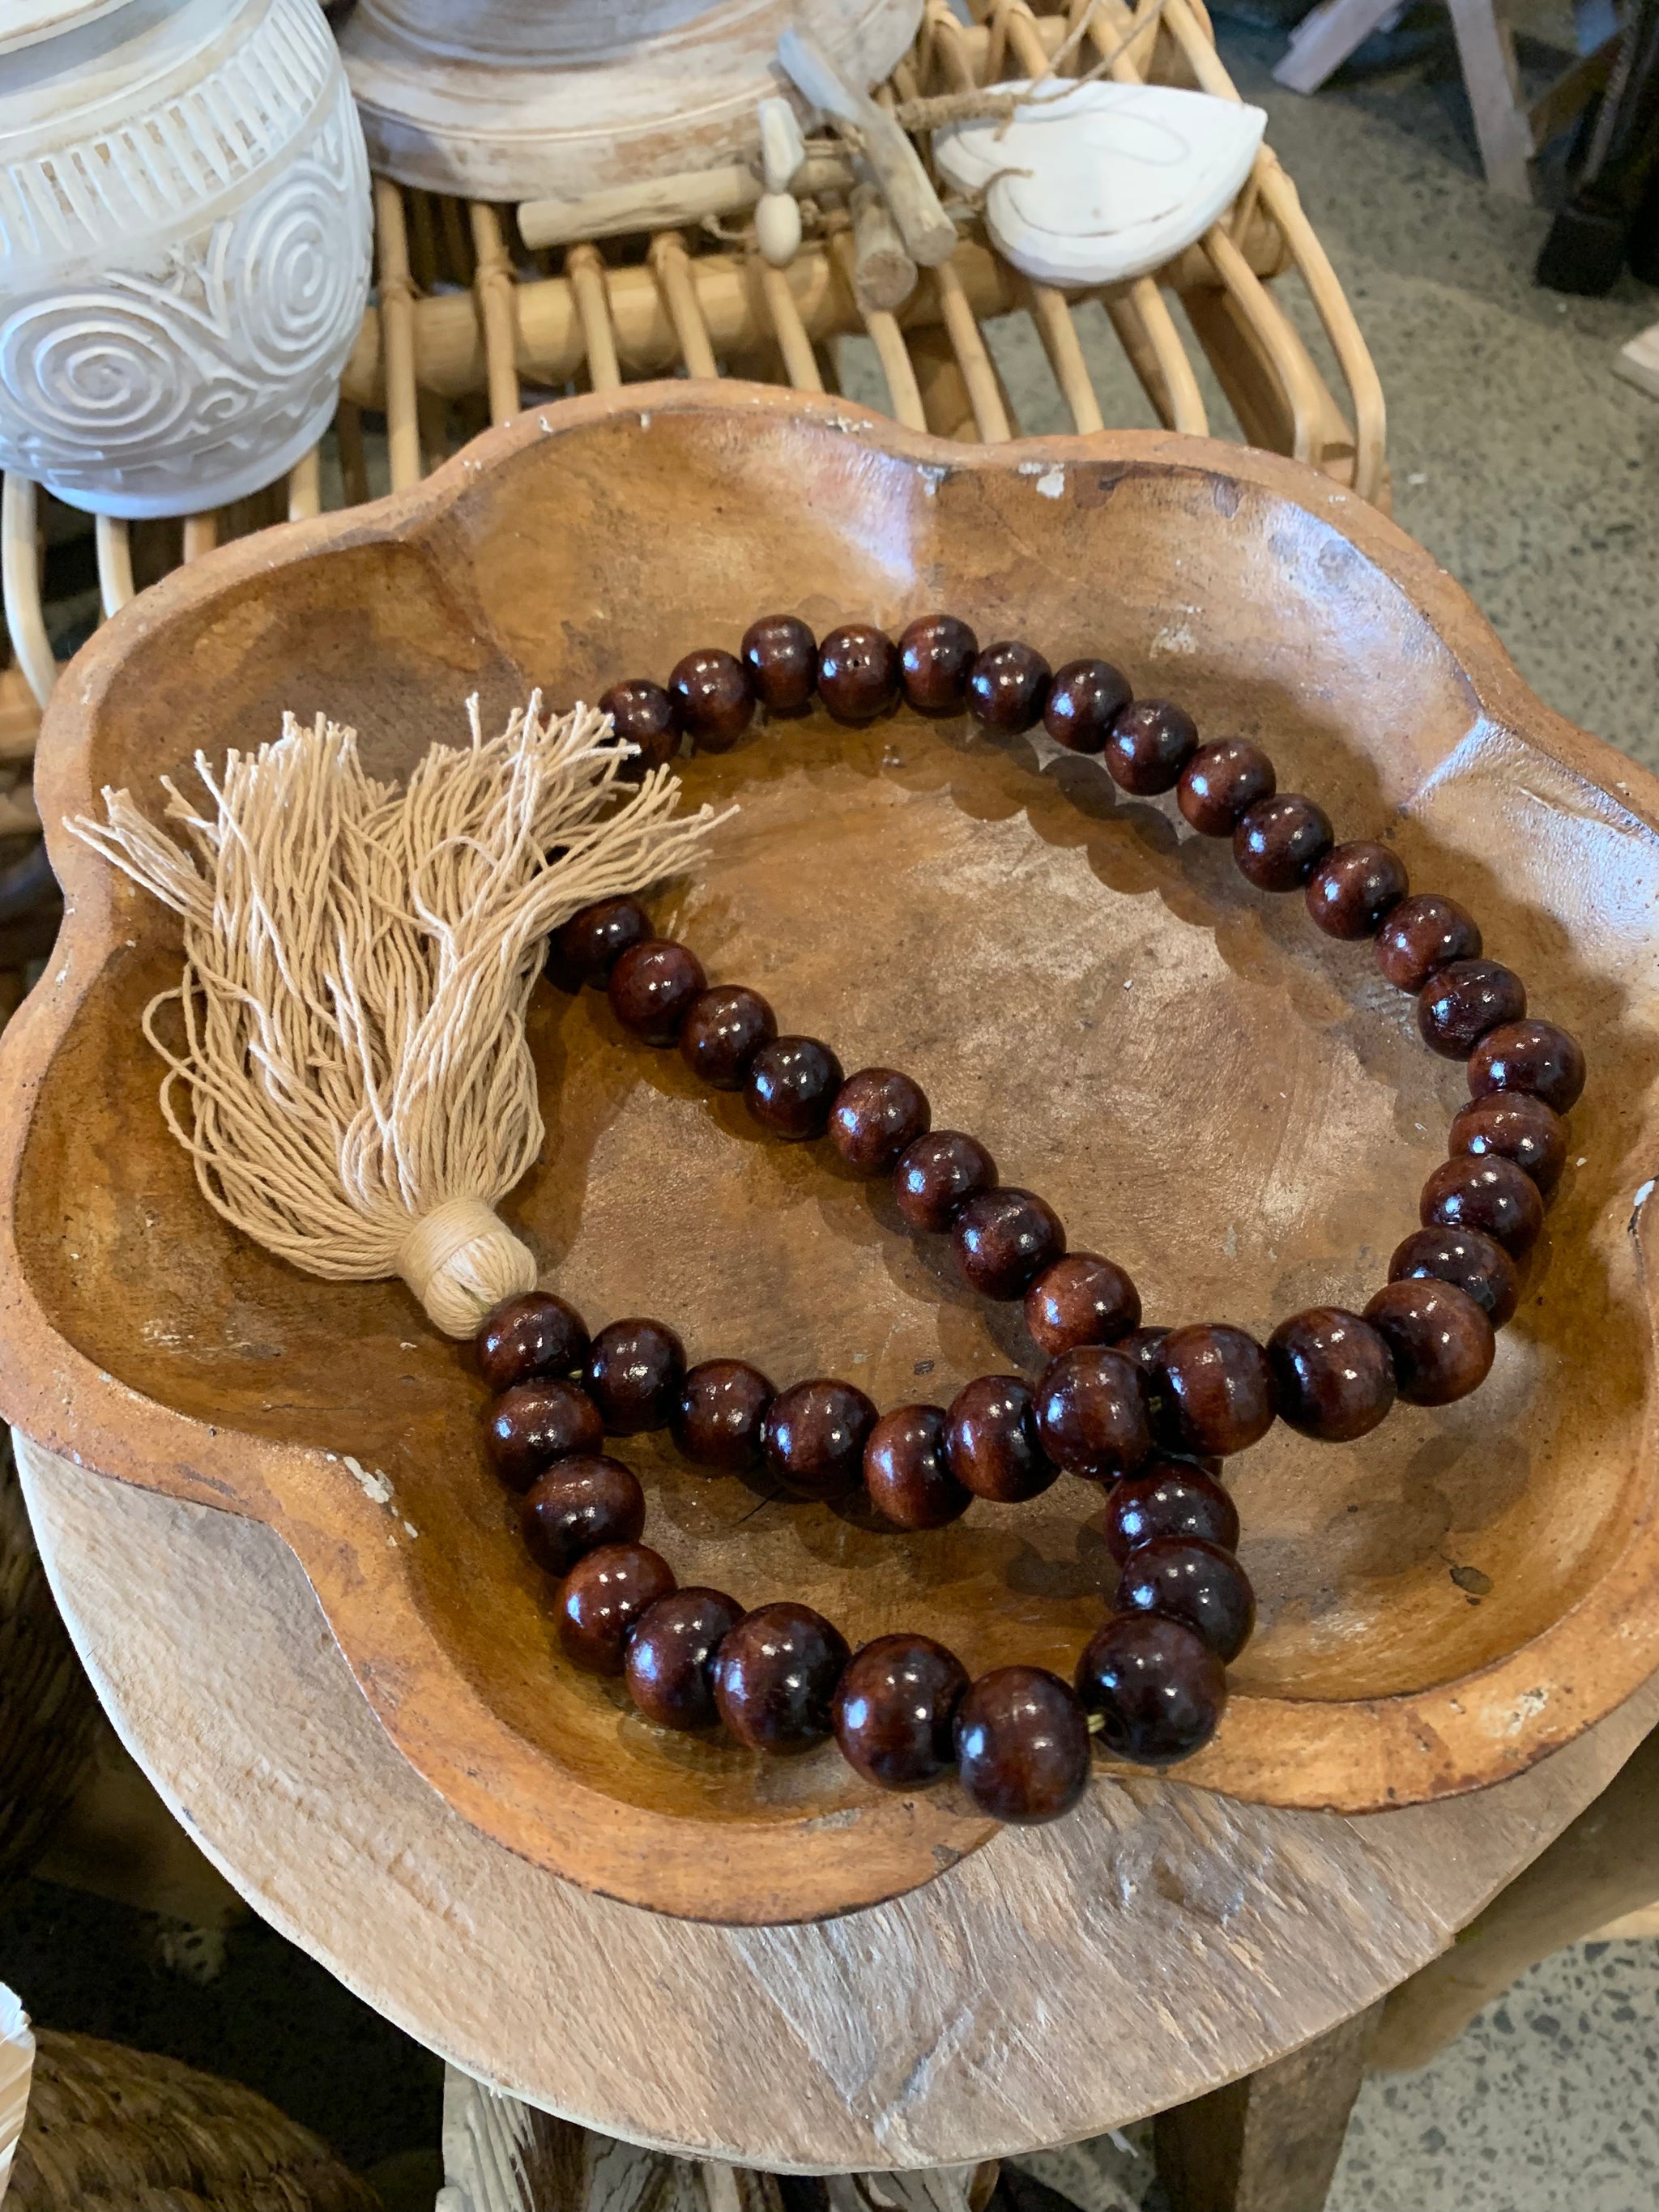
(1104, 182)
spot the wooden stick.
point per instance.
(493, 285)
(884, 276)
(201, 535)
(968, 342)
(114, 548)
(19, 573)
(889, 342)
(799, 362)
(929, 234)
(586, 270)
(403, 425)
(1052, 314)
(668, 202)
(305, 487)
(671, 264)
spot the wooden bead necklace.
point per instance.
(1150, 1412)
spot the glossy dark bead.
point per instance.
(644, 716)
(775, 1674)
(635, 1374)
(780, 657)
(604, 1595)
(1332, 1372)
(1003, 1238)
(1080, 1299)
(1421, 934)
(1441, 1341)
(1280, 841)
(717, 1422)
(1151, 742)
(1536, 1057)
(1092, 1413)
(858, 673)
(588, 945)
(907, 1470)
(1007, 686)
(1141, 1345)
(1511, 1125)
(529, 1336)
(1023, 1747)
(1184, 1579)
(1170, 1497)
(578, 1505)
(876, 1114)
(791, 1087)
(1470, 1261)
(991, 1441)
(938, 1175)
(533, 1424)
(1352, 889)
(813, 1435)
(670, 1660)
(711, 691)
(935, 655)
(1217, 1388)
(652, 986)
(1084, 700)
(894, 1711)
(1492, 1195)
(1222, 782)
(1158, 1688)
(722, 1029)
(1461, 1001)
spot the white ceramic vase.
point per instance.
(185, 247)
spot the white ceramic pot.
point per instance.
(185, 247)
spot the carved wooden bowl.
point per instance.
(1233, 1106)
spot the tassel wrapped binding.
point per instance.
(358, 962)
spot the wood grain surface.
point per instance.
(1237, 1109)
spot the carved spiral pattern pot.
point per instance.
(184, 248)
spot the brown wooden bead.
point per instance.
(635, 1374)
(858, 673)
(791, 1087)
(652, 986)
(991, 1441)
(1222, 782)
(589, 945)
(1159, 1690)
(1492, 1195)
(1082, 700)
(894, 1711)
(711, 693)
(1333, 1373)
(535, 1423)
(780, 657)
(938, 1175)
(1081, 1299)
(936, 652)
(1022, 1741)
(775, 1674)
(1151, 742)
(907, 1470)
(1170, 1497)
(604, 1595)
(1007, 686)
(877, 1113)
(722, 1406)
(670, 1660)
(577, 1505)
(643, 715)
(1216, 1386)
(1280, 841)
(1004, 1237)
(1470, 1261)
(1441, 1342)
(1352, 889)
(1091, 1415)
(813, 1435)
(1511, 1125)
(1536, 1057)
(1185, 1579)
(1461, 1001)
(1141, 1345)
(527, 1337)
(722, 1029)
(1423, 934)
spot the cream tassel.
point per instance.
(358, 960)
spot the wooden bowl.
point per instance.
(1236, 1108)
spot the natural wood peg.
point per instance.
(883, 275)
